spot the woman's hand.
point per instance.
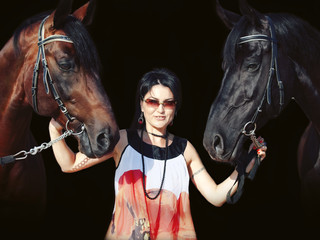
(54, 126)
(260, 151)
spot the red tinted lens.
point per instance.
(152, 102)
(169, 104)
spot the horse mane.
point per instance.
(85, 48)
(297, 37)
(26, 23)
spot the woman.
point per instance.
(155, 206)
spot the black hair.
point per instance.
(154, 77)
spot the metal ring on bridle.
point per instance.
(72, 132)
(246, 130)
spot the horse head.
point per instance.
(252, 87)
(63, 57)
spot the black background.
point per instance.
(132, 37)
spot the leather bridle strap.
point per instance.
(47, 80)
(254, 37)
(242, 163)
(273, 66)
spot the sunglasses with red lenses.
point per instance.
(156, 103)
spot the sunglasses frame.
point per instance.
(156, 103)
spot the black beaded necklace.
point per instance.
(143, 167)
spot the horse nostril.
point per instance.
(216, 141)
(103, 140)
(218, 144)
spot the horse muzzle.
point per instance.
(222, 151)
(95, 145)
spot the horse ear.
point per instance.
(86, 12)
(256, 18)
(228, 18)
(62, 12)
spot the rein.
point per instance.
(250, 127)
(48, 84)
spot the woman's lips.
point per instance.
(160, 118)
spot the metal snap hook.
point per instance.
(249, 128)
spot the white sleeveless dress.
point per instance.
(137, 217)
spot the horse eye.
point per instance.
(65, 65)
(253, 67)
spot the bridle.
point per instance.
(48, 85)
(47, 80)
(249, 127)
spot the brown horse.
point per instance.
(54, 49)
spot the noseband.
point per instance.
(47, 80)
(250, 126)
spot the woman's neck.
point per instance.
(155, 138)
(157, 135)
(162, 133)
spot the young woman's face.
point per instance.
(158, 107)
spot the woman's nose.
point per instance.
(161, 108)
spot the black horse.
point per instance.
(268, 60)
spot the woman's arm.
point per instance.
(66, 158)
(212, 192)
